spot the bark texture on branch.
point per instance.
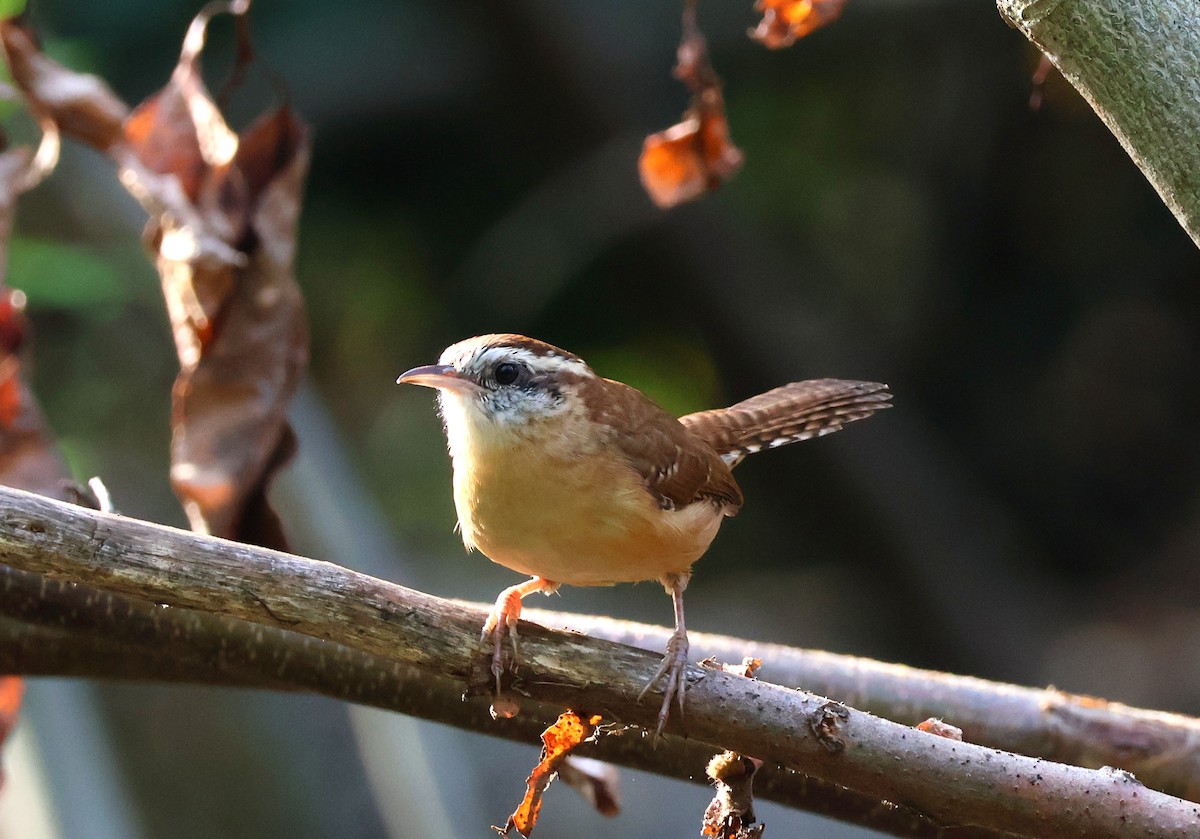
(1137, 63)
(1160, 748)
(54, 628)
(950, 781)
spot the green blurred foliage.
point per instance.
(60, 275)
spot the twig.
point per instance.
(1161, 749)
(948, 781)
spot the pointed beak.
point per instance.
(440, 376)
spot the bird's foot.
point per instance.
(501, 621)
(673, 672)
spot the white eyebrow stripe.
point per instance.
(541, 363)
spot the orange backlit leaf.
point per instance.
(12, 688)
(688, 159)
(784, 21)
(565, 734)
(696, 155)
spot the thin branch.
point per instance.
(1161, 749)
(1137, 63)
(949, 781)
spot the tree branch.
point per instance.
(1137, 63)
(139, 640)
(1161, 749)
(951, 782)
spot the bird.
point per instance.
(575, 479)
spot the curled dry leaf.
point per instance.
(689, 158)
(783, 21)
(227, 274)
(730, 815)
(223, 209)
(697, 154)
(81, 105)
(565, 734)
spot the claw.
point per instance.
(673, 670)
(503, 618)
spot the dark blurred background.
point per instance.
(1030, 511)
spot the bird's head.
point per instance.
(502, 381)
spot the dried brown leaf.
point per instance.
(695, 155)
(161, 135)
(730, 815)
(223, 210)
(784, 21)
(227, 273)
(565, 734)
(688, 159)
(81, 105)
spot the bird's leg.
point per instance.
(674, 664)
(504, 616)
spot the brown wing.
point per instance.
(787, 414)
(678, 468)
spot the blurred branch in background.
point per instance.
(961, 784)
(1138, 66)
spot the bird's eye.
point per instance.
(506, 373)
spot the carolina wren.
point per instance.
(572, 478)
